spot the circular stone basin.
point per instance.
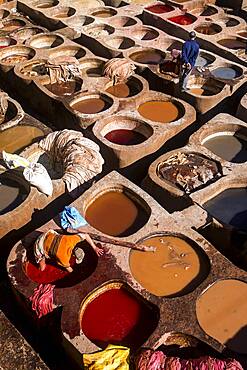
(6, 41)
(67, 51)
(93, 67)
(104, 13)
(53, 274)
(204, 60)
(175, 268)
(227, 73)
(100, 30)
(160, 8)
(161, 111)
(120, 22)
(79, 21)
(46, 41)
(231, 22)
(184, 20)
(16, 54)
(64, 88)
(4, 13)
(125, 137)
(120, 42)
(229, 207)
(148, 56)
(27, 32)
(63, 12)
(12, 25)
(228, 145)
(116, 213)
(125, 90)
(15, 139)
(243, 34)
(45, 4)
(145, 33)
(205, 11)
(91, 104)
(34, 68)
(208, 29)
(129, 321)
(12, 194)
(221, 313)
(208, 88)
(234, 44)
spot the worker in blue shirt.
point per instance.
(190, 52)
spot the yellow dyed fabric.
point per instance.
(112, 358)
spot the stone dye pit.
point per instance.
(128, 322)
(90, 105)
(229, 207)
(152, 57)
(188, 171)
(228, 145)
(64, 88)
(15, 139)
(160, 8)
(103, 214)
(12, 194)
(125, 137)
(226, 73)
(159, 111)
(174, 269)
(221, 313)
(184, 20)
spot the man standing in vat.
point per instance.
(190, 51)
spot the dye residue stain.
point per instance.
(230, 207)
(147, 57)
(167, 271)
(221, 312)
(119, 90)
(229, 147)
(16, 138)
(160, 8)
(125, 137)
(159, 111)
(12, 195)
(13, 59)
(184, 20)
(89, 106)
(117, 317)
(112, 213)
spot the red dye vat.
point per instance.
(117, 317)
(184, 20)
(160, 8)
(125, 137)
(51, 273)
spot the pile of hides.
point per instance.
(63, 69)
(112, 358)
(42, 299)
(188, 171)
(119, 70)
(157, 360)
(80, 157)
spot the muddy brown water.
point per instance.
(119, 90)
(13, 59)
(15, 139)
(63, 88)
(159, 111)
(114, 213)
(170, 270)
(229, 207)
(90, 105)
(147, 57)
(232, 44)
(207, 29)
(12, 194)
(229, 147)
(221, 313)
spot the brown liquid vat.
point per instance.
(206, 11)
(176, 268)
(62, 90)
(4, 13)
(99, 30)
(124, 22)
(129, 90)
(146, 56)
(208, 28)
(233, 43)
(14, 114)
(31, 70)
(104, 12)
(119, 42)
(89, 107)
(13, 24)
(7, 41)
(13, 55)
(46, 41)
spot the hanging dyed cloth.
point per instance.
(112, 358)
